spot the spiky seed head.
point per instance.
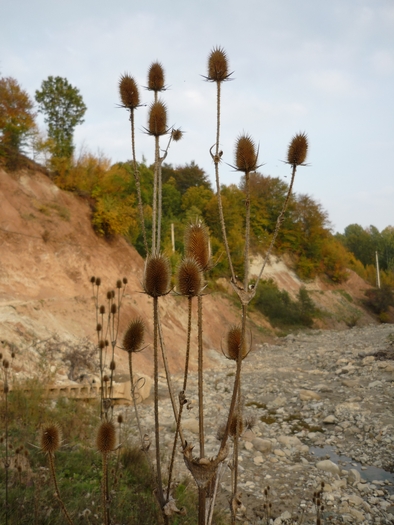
(102, 309)
(93, 280)
(98, 281)
(128, 91)
(217, 65)
(245, 154)
(120, 419)
(105, 379)
(106, 342)
(197, 244)
(101, 344)
(157, 275)
(13, 355)
(106, 437)
(124, 280)
(118, 283)
(112, 365)
(236, 421)
(176, 134)
(234, 337)
(156, 77)
(50, 438)
(189, 277)
(98, 327)
(298, 149)
(134, 336)
(113, 309)
(157, 120)
(6, 363)
(109, 295)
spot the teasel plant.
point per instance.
(246, 161)
(106, 443)
(50, 443)
(5, 364)
(107, 329)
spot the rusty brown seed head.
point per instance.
(157, 120)
(118, 283)
(134, 336)
(218, 65)
(176, 134)
(102, 309)
(236, 421)
(197, 244)
(105, 379)
(6, 363)
(124, 280)
(245, 154)
(50, 438)
(189, 277)
(156, 77)
(298, 149)
(101, 344)
(98, 281)
(98, 327)
(112, 365)
(106, 437)
(234, 337)
(157, 275)
(120, 419)
(128, 91)
(93, 280)
(113, 309)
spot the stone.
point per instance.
(353, 476)
(262, 445)
(191, 425)
(279, 452)
(329, 420)
(328, 466)
(309, 395)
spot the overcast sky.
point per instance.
(323, 67)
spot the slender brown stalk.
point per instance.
(51, 461)
(156, 401)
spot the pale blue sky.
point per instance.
(326, 68)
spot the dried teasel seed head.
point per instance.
(124, 280)
(120, 419)
(93, 280)
(176, 135)
(197, 244)
(99, 327)
(113, 308)
(234, 337)
(236, 421)
(118, 283)
(101, 344)
(109, 295)
(106, 342)
(12, 355)
(156, 77)
(112, 365)
(102, 309)
(128, 91)
(157, 121)
(245, 154)
(217, 65)
(50, 438)
(6, 363)
(298, 149)
(98, 281)
(134, 336)
(105, 379)
(157, 275)
(189, 277)
(106, 437)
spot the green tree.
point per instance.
(16, 119)
(64, 108)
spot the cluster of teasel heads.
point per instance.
(189, 283)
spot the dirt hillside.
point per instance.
(48, 254)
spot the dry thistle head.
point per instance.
(157, 275)
(234, 337)
(102, 309)
(6, 363)
(236, 421)
(298, 149)
(189, 277)
(118, 283)
(157, 120)
(156, 77)
(124, 280)
(93, 280)
(113, 308)
(50, 438)
(217, 65)
(120, 419)
(197, 244)
(176, 134)
(134, 336)
(128, 91)
(106, 437)
(245, 154)
(98, 281)
(112, 365)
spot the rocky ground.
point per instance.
(311, 394)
